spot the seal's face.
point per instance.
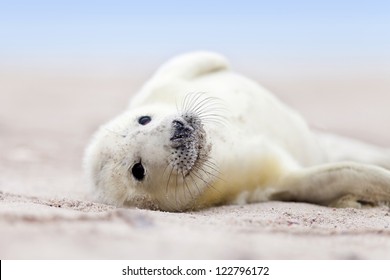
(151, 158)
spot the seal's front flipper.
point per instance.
(345, 184)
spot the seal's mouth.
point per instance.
(187, 142)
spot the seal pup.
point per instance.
(197, 134)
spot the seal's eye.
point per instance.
(138, 171)
(144, 120)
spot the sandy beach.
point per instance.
(47, 118)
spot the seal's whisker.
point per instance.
(215, 122)
(194, 182)
(167, 199)
(204, 104)
(176, 187)
(169, 179)
(209, 116)
(207, 109)
(197, 175)
(212, 110)
(183, 189)
(177, 106)
(216, 177)
(206, 116)
(211, 186)
(207, 164)
(214, 119)
(208, 173)
(207, 184)
(193, 100)
(185, 183)
(213, 107)
(212, 166)
(165, 169)
(186, 101)
(200, 104)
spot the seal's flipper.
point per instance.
(344, 184)
(174, 78)
(189, 66)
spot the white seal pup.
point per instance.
(198, 134)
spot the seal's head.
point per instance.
(154, 157)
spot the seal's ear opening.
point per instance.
(138, 171)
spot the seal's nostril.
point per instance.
(181, 130)
(177, 124)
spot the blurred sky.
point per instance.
(41, 32)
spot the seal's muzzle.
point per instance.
(187, 141)
(181, 132)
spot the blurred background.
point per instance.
(68, 66)
(254, 34)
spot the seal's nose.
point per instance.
(181, 130)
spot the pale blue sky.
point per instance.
(113, 29)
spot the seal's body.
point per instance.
(198, 134)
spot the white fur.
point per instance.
(264, 151)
